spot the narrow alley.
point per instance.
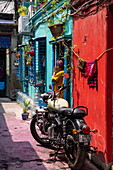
(18, 149)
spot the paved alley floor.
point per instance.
(18, 149)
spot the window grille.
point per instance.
(40, 64)
(36, 73)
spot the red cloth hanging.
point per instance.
(90, 71)
(90, 68)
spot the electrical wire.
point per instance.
(5, 6)
(89, 4)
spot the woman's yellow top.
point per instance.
(58, 80)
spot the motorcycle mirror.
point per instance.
(50, 86)
(66, 75)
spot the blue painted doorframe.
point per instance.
(55, 57)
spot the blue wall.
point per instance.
(42, 30)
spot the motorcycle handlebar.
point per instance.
(63, 87)
(60, 89)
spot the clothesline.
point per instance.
(97, 57)
(89, 69)
(104, 53)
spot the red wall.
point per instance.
(91, 36)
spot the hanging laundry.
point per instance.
(81, 64)
(92, 82)
(90, 71)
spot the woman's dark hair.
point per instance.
(60, 63)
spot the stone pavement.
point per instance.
(18, 149)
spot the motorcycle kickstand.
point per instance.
(55, 154)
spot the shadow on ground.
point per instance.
(15, 153)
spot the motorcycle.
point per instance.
(61, 126)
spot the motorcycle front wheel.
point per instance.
(38, 134)
(75, 153)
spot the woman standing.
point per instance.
(58, 76)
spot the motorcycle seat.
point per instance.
(74, 112)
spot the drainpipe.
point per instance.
(65, 71)
(54, 53)
(34, 58)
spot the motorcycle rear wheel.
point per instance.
(75, 153)
(37, 134)
(76, 162)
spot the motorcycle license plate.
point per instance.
(85, 138)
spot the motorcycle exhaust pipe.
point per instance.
(51, 131)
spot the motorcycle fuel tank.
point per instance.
(57, 103)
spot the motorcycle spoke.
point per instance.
(71, 150)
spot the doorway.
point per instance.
(61, 50)
(2, 72)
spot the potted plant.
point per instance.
(58, 19)
(15, 63)
(25, 113)
(29, 61)
(27, 48)
(17, 55)
(22, 10)
(57, 29)
(41, 1)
